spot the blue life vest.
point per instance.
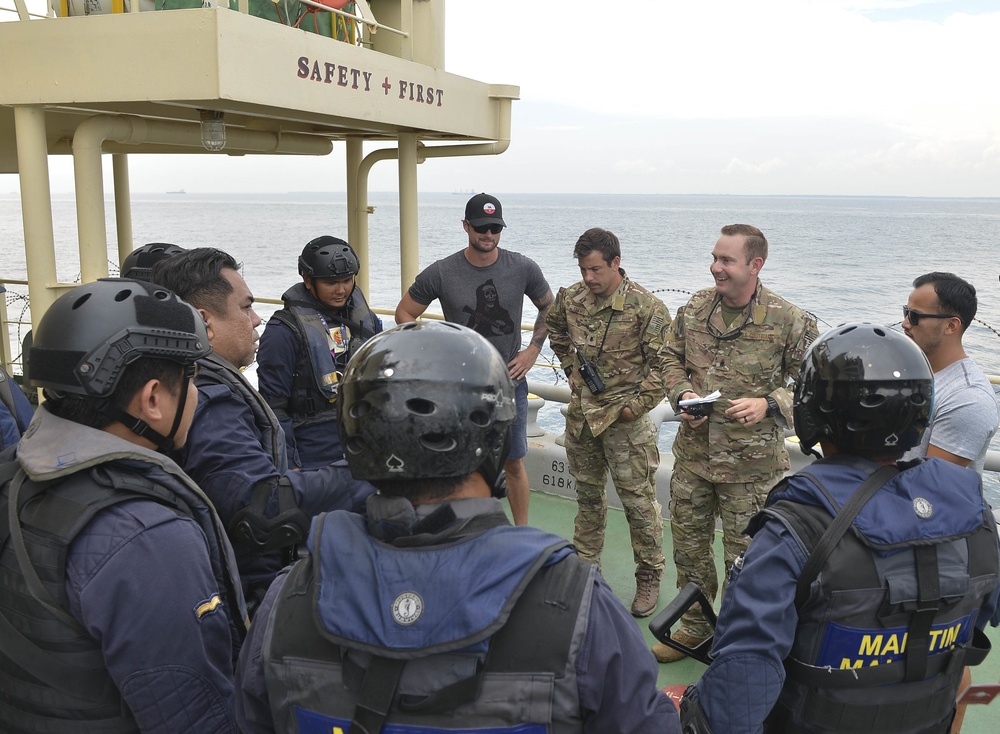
(479, 634)
(890, 621)
(326, 344)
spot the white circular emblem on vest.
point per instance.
(407, 608)
(923, 508)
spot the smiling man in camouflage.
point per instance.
(747, 342)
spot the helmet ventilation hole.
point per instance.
(360, 409)
(480, 418)
(81, 300)
(438, 442)
(421, 406)
(123, 295)
(355, 445)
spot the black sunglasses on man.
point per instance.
(915, 316)
(484, 228)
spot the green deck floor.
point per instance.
(556, 514)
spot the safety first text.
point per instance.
(327, 72)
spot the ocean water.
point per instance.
(841, 258)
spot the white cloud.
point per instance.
(912, 79)
(887, 97)
(634, 166)
(738, 166)
(731, 59)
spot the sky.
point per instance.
(770, 97)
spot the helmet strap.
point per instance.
(138, 426)
(179, 413)
(498, 481)
(810, 451)
(499, 487)
(164, 444)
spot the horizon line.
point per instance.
(182, 192)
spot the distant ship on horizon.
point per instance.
(179, 191)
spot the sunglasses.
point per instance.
(915, 316)
(491, 228)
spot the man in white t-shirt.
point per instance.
(937, 313)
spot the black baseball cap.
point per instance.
(484, 209)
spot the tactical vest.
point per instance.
(501, 662)
(55, 679)
(315, 382)
(881, 645)
(214, 371)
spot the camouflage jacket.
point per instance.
(764, 359)
(631, 361)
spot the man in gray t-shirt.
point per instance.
(937, 313)
(483, 287)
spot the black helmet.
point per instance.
(427, 400)
(328, 257)
(90, 334)
(139, 263)
(865, 389)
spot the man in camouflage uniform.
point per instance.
(747, 342)
(615, 328)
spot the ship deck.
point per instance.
(555, 514)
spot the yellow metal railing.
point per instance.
(346, 18)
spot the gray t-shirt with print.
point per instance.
(489, 299)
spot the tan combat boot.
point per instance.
(647, 592)
(666, 654)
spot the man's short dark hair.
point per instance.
(602, 241)
(955, 296)
(134, 377)
(196, 277)
(423, 489)
(755, 244)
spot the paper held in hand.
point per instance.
(699, 401)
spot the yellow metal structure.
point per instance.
(137, 82)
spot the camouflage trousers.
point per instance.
(629, 451)
(695, 502)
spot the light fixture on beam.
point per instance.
(213, 129)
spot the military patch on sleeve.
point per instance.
(655, 324)
(208, 606)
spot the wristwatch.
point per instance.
(772, 407)
(568, 369)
